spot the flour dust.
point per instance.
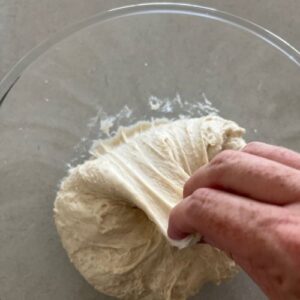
(104, 125)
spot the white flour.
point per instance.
(187, 109)
(104, 125)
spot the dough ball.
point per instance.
(112, 211)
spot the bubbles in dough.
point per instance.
(112, 211)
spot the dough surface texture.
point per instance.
(112, 211)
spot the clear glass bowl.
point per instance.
(108, 68)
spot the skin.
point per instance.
(247, 203)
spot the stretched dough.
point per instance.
(112, 211)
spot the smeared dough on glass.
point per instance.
(112, 211)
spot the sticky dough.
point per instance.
(112, 211)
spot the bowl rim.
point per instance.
(179, 8)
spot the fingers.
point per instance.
(232, 223)
(275, 153)
(248, 175)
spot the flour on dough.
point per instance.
(112, 211)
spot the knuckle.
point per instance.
(202, 194)
(192, 206)
(252, 146)
(199, 199)
(223, 164)
(224, 157)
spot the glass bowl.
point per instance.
(128, 64)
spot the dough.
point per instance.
(112, 211)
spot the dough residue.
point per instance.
(112, 211)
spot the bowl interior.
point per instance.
(113, 73)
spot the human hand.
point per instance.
(247, 203)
